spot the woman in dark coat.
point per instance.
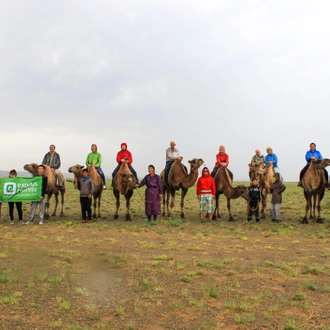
(153, 193)
(277, 188)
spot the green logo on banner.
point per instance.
(20, 189)
(9, 188)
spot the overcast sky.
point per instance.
(245, 74)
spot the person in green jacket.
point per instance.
(96, 158)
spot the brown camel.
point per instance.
(179, 179)
(313, 183)
(124, 184)
(52, 189)
(265, 176)
(97, 181)
(224, 185)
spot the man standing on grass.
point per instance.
(42, 203)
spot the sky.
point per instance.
(244, 74)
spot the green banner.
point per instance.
(20, 189)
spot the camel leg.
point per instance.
(263, 204)
(94, 206)
(308, 199)
(99, 205)
(49, 196)
(117, 196)
(231, 218)
(319, 198)
(168, 197)
(128, 196)
(62, 202)
(164, 199)
(183, 195)
(169, 210)
(216, 213)
(56, 204)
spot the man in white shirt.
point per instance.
(172, 154)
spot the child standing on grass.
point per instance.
(205, 191)
(253, 204)
(86, 187)
(276, 190)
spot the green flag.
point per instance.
(20, 189)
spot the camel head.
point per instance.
(77, 172)
(124, 181)
(243, 192)
(195, 163)
(256, 170)
(31, 168)
(320, 164)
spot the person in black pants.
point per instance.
(253, 204)
(86, 187)
(13, 174)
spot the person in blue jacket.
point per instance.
(272, 158)
(312, 153)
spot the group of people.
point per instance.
(205, 188)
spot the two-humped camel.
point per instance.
(224, 184)
(179, 179)
(313, 183)
(123, 184)
(265, 176)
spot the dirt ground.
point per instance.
(171, 274)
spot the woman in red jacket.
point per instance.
(222, 160)
(205, 191)
(124, 156)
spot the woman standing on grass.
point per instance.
(13, 174)
(153, 193)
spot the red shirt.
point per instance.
(221, 158)
(124, 154)
(205, 185)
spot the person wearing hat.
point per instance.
(311, 154)
(272, 158)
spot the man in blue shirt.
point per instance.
(312, 153)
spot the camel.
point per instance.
(313, 183)
(224, 186)
(179, 179)
(97, 181)
(124, 184)
(52, 189)
(265, 176)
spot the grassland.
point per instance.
(171, 274)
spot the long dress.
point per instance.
(154, 188)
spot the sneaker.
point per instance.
(28, 222)
(104, 187)
(90, 221)
(83, 221)
(21, 222)
(40, 223)
(202, 221)
(12, 222)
